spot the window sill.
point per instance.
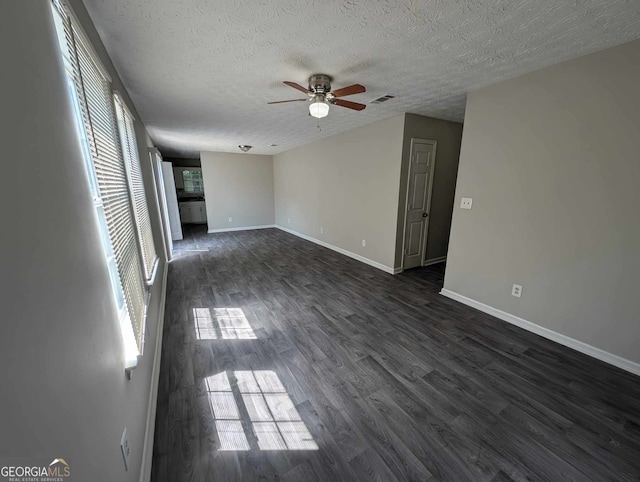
(154, 272)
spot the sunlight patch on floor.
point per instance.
(273, 417)
(222, 323)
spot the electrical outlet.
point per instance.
(466, 203)
(289, 220)
(516, 291)
(230, 220)
(126, 450)
(364, 243)
(321, 230)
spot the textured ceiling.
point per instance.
(201, 72)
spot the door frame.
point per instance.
(423, 248)
(156, 166)
(173, 209)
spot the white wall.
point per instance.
(551, 160)
(237, 186)
(347, 184)
(64, 391)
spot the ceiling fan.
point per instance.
(320, 95)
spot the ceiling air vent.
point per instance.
(382, 99)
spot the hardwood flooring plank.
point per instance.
(332, 370)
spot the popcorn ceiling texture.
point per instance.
(201, 72)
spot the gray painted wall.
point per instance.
(551, 162)
(347, 184)
(237, 186)
(64, 389)
(448, 136)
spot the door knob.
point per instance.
(424, 215)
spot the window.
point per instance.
(141, 210)
(108, 179)
(192, 181)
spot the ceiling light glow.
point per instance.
(319, 108)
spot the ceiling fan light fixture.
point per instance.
(319, 108)
(321, 95)
(245, 148)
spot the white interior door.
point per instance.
(423, 156)
(172, 201)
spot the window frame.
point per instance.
(200, 182)
(66, 24)
(119, 103)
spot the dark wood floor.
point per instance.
(283, 360)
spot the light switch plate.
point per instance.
(466, 203)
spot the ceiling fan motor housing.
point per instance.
(320, 84)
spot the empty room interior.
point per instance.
(320, 241)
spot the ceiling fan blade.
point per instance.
(297, 87)
(352, 89)
(349, 104)
(283, 101)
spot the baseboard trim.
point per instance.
(615, 360)
(147, 450)
(242, 228)
(432, 261)
(362, 259)
(428, 262)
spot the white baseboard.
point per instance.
(147, 450)
(429, 262)
(602, 355)
(242, 228)
(362, 259)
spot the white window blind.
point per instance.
(96, 108)
(140, 208)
